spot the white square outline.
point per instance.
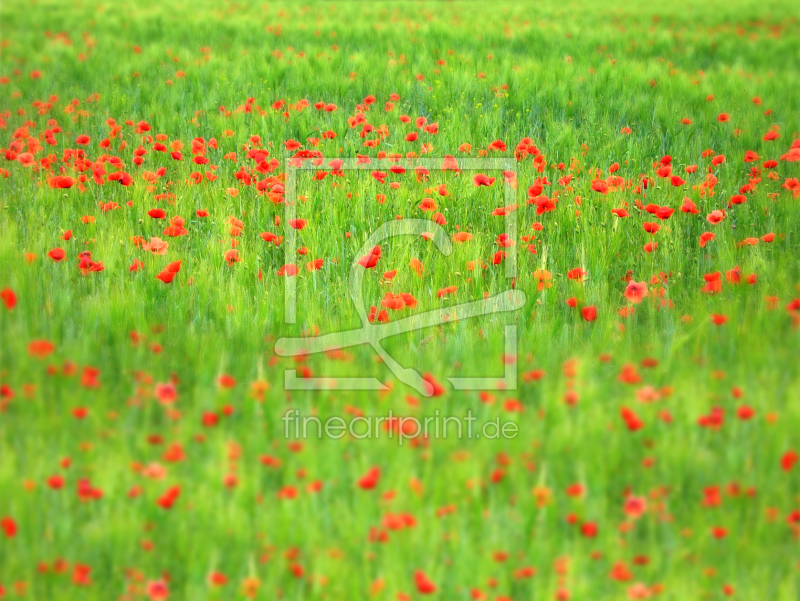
(291, 381)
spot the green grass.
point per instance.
(570, 76)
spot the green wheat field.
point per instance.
(174, 175)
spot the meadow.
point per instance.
(173, 175)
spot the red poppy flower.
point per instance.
(482, 180)
(371, 260)
(718, 319)
(636, 292)
(9, 527)
(57, 254)
(370, 479)
(8, 297)
(424, 584)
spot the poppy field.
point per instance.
(189, 189)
